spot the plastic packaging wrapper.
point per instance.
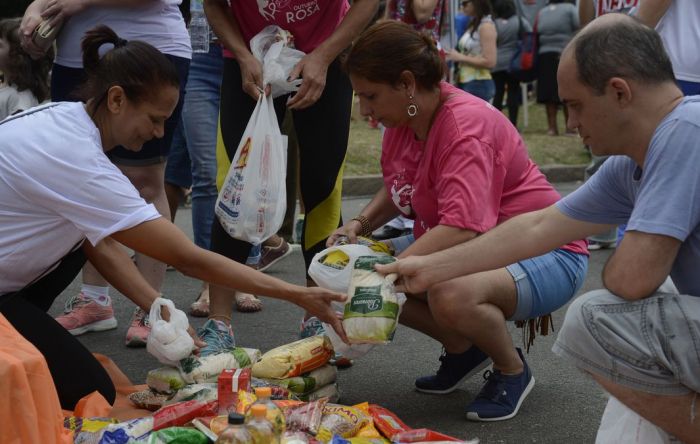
(195, 392)
(273, 48)
(178, 435)
(136, 430)
(182, 413)
(620, 425)
(422, 435)
(368, 431)
(305, 417)
(372, 310)
(169, 341)
(330, 391)
(340, 420)
(309, 382)
(278, 393)
(297, 438)
(207, 369)
(386, 421)
(245, 400)
(294, 359)
(358, 440)
(148, 399)
(204, 428)
(87, 430)
(253, 197)
(332, 267)
(165, 380)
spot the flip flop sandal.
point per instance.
(200, 307)
(247, 303)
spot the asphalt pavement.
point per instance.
(565, 406)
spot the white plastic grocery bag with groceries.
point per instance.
(169, 341)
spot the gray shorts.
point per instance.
(651, 345)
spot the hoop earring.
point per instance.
(412, 109)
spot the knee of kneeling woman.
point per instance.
(448, 304)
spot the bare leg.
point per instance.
(221, 300)
(676, 415)
(552, 119)
(175, 194)
(416, 315)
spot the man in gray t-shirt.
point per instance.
(637, 338)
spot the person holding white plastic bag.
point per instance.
(49, 207)
(321, 110)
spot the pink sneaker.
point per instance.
(140, 328)
(82, 315)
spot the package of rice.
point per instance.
(309, 382)
(294, 359)
(195, 369)
(330, 391)
(165, 380)
(372, 310)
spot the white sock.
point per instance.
(96, 293)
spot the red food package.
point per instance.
(181, 413)
(231, 381)
(421, 435)
(386, 422)
(305, 417)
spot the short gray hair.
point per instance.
(623, 48)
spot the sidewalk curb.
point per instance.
(367, 185)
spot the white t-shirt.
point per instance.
(12, 101)
(158, 22)
(680, 30)
(57, 187)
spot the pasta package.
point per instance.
(297, 358)
(372, 310)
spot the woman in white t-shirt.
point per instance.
(58, 188)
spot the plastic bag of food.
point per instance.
(386, 421)
(620, 424)
(182, 412)
(195, 392)
(136, 430)
(178, 435)
(330, 391)
(340, 420)
(169, 341)
(305, 417)
(332, 267)
(372, 310)
(207, 369)
(165, 380)
(368, 431)
(422, 435)
(274, 48)
(359, 440)
(148, 399)
(278, 393)
(309, 382)
(294, 359)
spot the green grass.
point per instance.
(365, 144)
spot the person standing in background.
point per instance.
(475, 54)
(556, 24)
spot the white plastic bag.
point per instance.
(332, 267)
(271, 47)
(169, 341)
(621, 425)
(253, 198)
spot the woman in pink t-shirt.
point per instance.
(459, 168)
(320, 110)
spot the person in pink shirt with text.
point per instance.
(456, 165)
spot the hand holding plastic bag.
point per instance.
(271, 47)
(169, 341)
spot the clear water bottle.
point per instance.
(200, 33)
(236, 432)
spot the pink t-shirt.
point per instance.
(472, 172)
(310, 21)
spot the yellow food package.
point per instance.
(341, 420)
(245, 400)
(294, 359)
(368, 430)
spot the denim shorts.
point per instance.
(484, 89)
(546, 283)
(650, 345)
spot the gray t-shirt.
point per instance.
(529, 8)
(507, 40)
(663, 198)
(556, 24)
(13, 101)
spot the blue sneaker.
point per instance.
(454, 369)
(218, 336)
(502, 395)
(313, 327)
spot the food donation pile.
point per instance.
(286, 395)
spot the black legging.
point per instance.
(75, 371)
(503, 79)
(322, 132)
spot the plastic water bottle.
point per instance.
(236, 432)
(199, 28)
